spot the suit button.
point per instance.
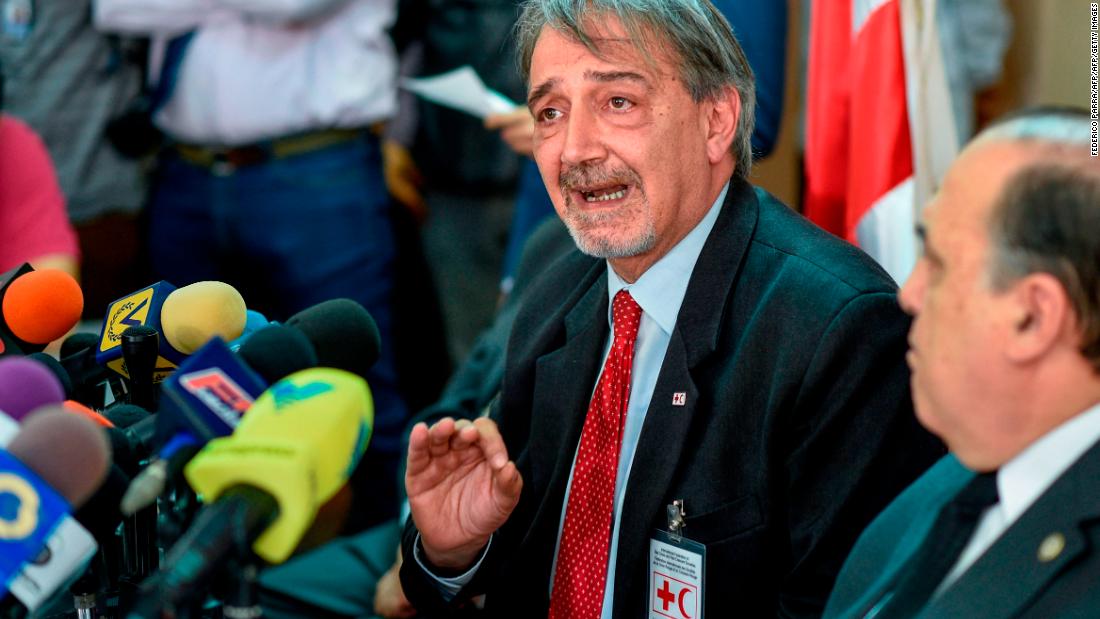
(1051, 547)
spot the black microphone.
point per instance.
(78, 342)
(57, 369)
(226, 527)
(140, 346)
(277, 351)
(90, 380)
(342, 332)
(134, 436)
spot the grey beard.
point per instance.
(604, 248)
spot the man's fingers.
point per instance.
(491, 442)
(465, 435)
(510, 483)
(439, 437)
(419, 454)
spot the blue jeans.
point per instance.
(289, 233)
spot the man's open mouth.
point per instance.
(604, 194)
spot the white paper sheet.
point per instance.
(462, 90)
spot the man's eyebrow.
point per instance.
(541, 90)
(616, 76)
(544, 88)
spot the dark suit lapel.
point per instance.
(1032, 552)
(666, 425)
(564, 380)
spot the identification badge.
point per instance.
(18, 18)
(676, 571)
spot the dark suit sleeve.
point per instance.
(854, 444)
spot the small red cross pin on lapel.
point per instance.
(679, 398)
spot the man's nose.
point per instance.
(582, 140)
(911, 295)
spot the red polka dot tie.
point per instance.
(586, 536)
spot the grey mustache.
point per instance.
(587, 176)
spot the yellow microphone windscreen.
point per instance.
(193, 314)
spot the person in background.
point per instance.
(1005, 354)
(710, 369)
(468, 176)
(68, 81)
(33, 224)
(272, 178)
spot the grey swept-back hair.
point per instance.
(701, 40)
(1047, 215)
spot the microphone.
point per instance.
(40, 307)
(132, 437)
(131, 443)
(253, 322)
(26, 385)
(87, 413)
(78, 358)
(43, 546)
(342, 332)
(139, 353)
(127, 416)
(264, 484)
(208, 394)
(278, 351)
(8, 429)
(187, 318)
(204, 399)
(140, 308)
(101, 517)
(193, 314)
(77, 343)
(55, 367)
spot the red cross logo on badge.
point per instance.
(679, 398)
(674, 598)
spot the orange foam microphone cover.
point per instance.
(41, 306)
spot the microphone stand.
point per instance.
(242, 598)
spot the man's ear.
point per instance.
(723, 112)
(1041, 317)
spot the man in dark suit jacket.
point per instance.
(1006, 369)
(766, 385)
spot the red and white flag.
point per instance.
(879, 126)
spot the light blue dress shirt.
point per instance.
(660, 293)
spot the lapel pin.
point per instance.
(1051, 547)
(679, 398)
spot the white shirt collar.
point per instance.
(1024, 478)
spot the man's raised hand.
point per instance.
(461, 486)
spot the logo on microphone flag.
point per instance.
(128, 312)
(674, 598)
(29, 512)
